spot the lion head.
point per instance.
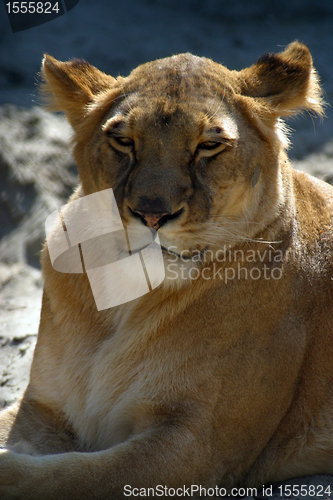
(190, 148)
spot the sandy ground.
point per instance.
(117, 36)
(20, 303)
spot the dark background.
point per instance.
(116, 36)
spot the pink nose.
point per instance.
(152, 219)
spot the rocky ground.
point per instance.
(36, 170)
(37, 174)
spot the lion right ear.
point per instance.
(281, 84)
(71, 86)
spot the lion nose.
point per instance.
(151, 209)
(152, 219)
(155, 212)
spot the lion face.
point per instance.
(173, 158)
(189, 148)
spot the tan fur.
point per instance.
(205, 380)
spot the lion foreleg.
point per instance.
(165, 457)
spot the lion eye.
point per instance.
(124, 141)
(209, 145)
(121, 143)
(211, 148)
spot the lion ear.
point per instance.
(282, 84)
(71, 86)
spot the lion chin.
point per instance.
(186, 332)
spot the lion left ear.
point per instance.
(71, 86)
(282, 84)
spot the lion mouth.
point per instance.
(186, 254)
(167, 250)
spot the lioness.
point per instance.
(222, 375)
